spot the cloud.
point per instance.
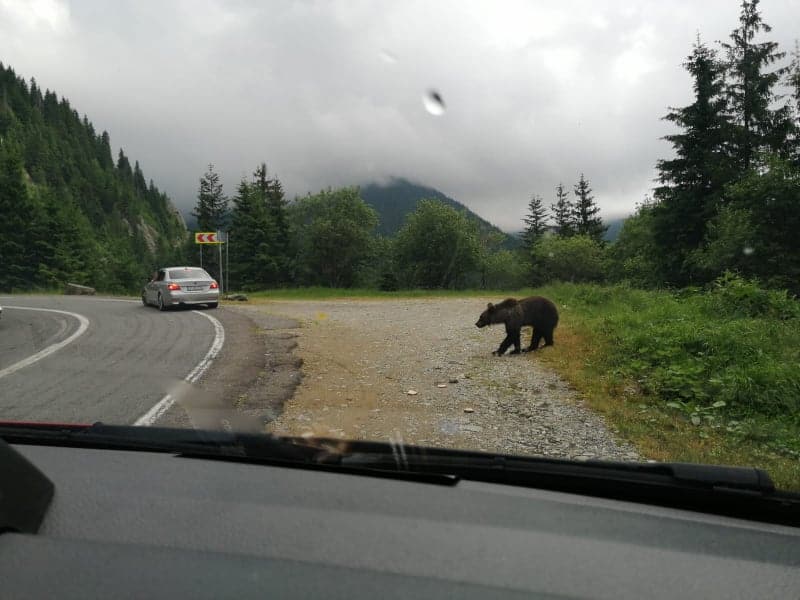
(330, 93)
(51, 16)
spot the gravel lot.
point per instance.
(362, 360)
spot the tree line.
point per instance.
(727, 200)
(330, 239)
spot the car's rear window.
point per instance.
(188, 274)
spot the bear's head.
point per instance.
(486, 316)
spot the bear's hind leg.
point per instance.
(516, 341)
(536, 337)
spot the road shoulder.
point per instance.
(246, 386)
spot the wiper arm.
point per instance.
(734, 491)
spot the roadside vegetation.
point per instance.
(690, 376)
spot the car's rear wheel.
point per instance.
(213, 304)
(161, 305)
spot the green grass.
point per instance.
(35, 292)
(696, 377)
(324, 293)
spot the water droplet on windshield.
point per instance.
(748, 250)
(388, 57)
(433, 103)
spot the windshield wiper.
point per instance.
(734, 491)
(311, 453)
(745, 492)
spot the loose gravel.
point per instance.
(421, 372)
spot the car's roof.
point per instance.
(179, 268)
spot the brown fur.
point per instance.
(536, 311)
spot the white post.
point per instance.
(219, 244)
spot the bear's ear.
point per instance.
(491, 306)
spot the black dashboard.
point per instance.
(127, 524)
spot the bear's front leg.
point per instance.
(503, 346)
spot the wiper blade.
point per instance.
(293, 452)
(734, 491)
(734, 479)
(157, 439)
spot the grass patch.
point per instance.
(324, 293)
(685, 378)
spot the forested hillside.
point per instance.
(398, 198)
(68, 210)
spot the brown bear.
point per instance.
(536, 311)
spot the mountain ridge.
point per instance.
(396, 198)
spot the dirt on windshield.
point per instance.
(418, 370)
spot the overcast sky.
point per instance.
(331, 93)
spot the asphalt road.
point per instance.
(96, 359)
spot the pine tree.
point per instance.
(563, 212)
(124, 166)
(252, 262)
(139, 183)
(692, 182)
(793, 83)
(585, 212)
(211, 214)
(212, 205)
(535, 222)
(20, 227)
(750, 90)
(271, 192)
(793, 77)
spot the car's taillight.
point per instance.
(173, 286)
(213, 285)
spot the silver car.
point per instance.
(173, 286)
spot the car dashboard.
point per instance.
(130, 524)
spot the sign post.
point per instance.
(212, 237)
(221, 276)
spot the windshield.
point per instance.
(540, 229)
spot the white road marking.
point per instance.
(152, 415)
(26, 362)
